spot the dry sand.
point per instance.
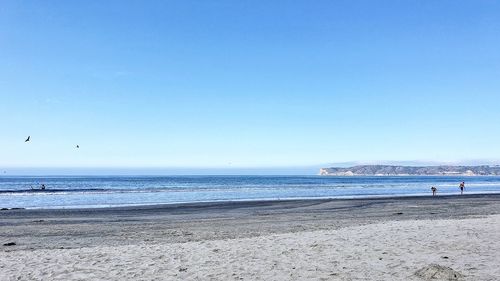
(446, 238)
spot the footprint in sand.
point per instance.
(439, 272)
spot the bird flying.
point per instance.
(28, 139)
(77, 146)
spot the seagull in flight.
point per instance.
(28, 139)
(77, 146)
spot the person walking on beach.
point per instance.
(462, 187)
(433, 191)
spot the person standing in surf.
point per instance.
(462, 187)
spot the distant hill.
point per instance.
(389, 170)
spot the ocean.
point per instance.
(109, 191)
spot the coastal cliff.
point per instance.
(388, 170)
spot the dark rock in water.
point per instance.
(439, 272)
(10, 244)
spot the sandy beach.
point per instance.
(413, 238)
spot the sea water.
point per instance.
(108, 191)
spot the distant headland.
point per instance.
(390, 170)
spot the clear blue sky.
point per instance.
(247, 83)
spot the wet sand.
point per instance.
(348, 239)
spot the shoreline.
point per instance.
(257, 201)
(384, 208)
